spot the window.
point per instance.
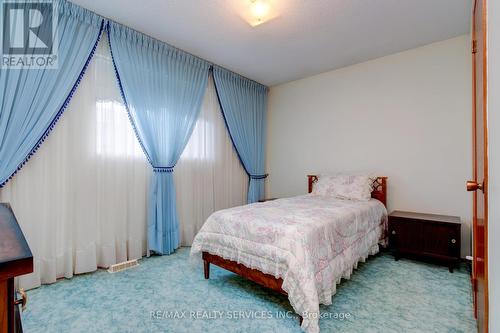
(115, 135)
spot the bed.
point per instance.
(300, 246)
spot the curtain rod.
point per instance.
(160, 41)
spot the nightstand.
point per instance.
(425, 236)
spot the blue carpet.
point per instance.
(382, 296)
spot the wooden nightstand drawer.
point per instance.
(441, 240)
(425, 235)
(405, 235)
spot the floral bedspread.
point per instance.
(309, 241)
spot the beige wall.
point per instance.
(406, 116)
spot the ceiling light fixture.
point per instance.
(255, 12)
(260, 9)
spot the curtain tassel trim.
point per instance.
(61, 110)
(163, 169)
(122, 93)
(259, 176)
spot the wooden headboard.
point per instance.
(379, 191)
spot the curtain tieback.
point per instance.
(259, 176)
(163, 169)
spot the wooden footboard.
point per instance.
(254, 275)
(265, 280)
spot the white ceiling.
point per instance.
(308, 37)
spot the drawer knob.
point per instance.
(453, 240)
(23, 300)
(394, 232)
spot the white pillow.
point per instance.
(350, 187)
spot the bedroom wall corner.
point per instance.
(406, 116)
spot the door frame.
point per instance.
(484, 112)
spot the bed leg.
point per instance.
(206, 269)
(300, 320)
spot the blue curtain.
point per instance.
(163, 89)
(32, 100)
(244, 105)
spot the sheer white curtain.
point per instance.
(81, 200)
(209, 175)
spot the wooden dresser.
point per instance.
(426, 236)
(15, 259)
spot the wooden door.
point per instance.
(480, 165)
